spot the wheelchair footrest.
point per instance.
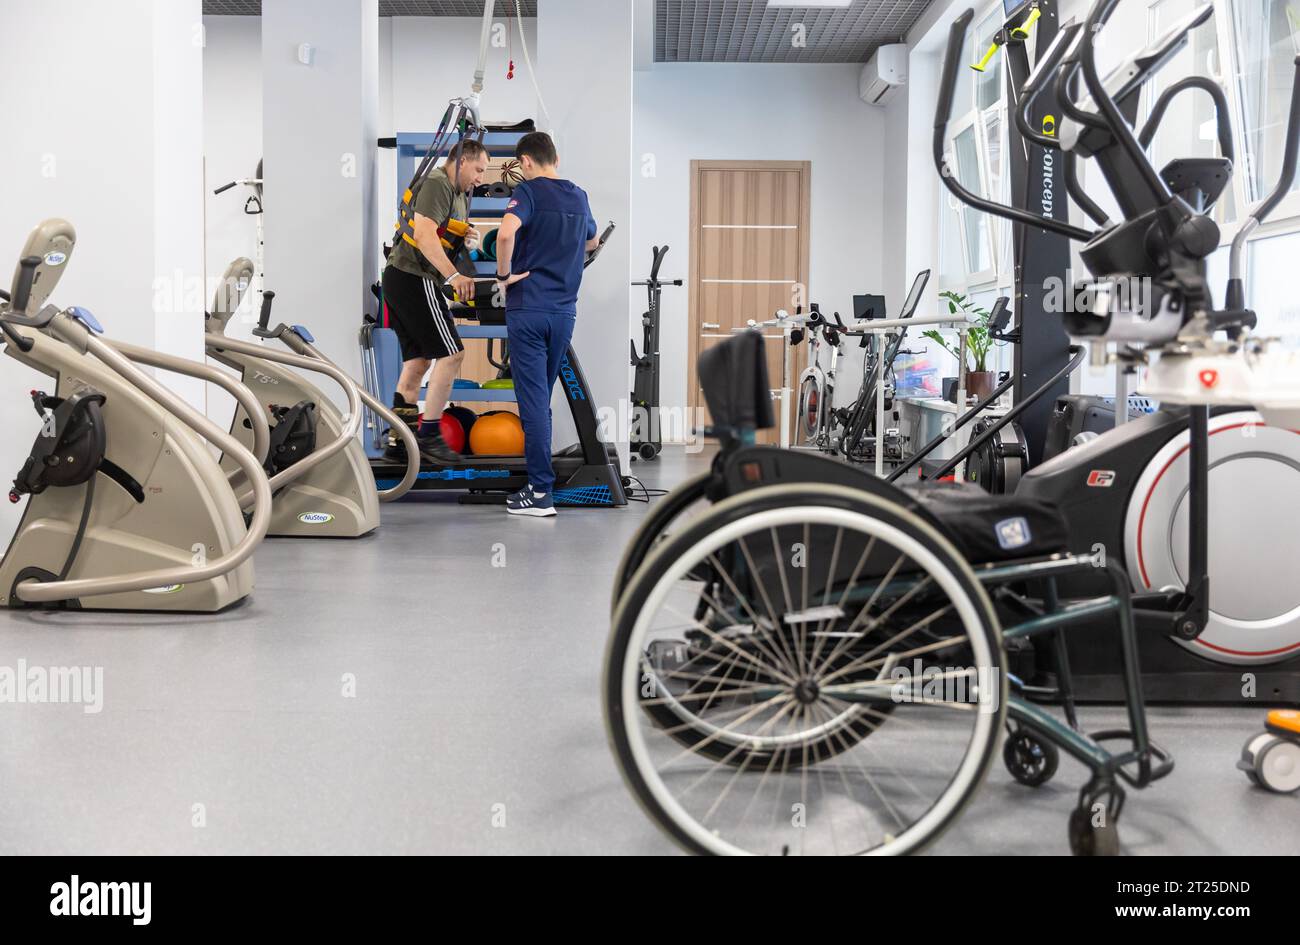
(1147, 771)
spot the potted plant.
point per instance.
(980, 381)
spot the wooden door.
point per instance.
(749, 258)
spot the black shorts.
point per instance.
(419, 314)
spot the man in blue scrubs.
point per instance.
(541, 245)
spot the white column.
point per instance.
(318, 138)
(178, 203)
(584, 63)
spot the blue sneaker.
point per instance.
(528, 502)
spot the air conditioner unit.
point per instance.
(883, 75)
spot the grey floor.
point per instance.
(476, 721)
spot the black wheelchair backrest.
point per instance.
(733, 376)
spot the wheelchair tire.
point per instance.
(631, 696)
(653, 529)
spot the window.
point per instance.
(1269, 287)
(975, 224)
(988, 84)
(975, 247)
(1265, 40)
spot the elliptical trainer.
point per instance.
(1140, 494)
(646, 435)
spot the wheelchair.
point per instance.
(808, 660)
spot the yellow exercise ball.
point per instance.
(497, 434)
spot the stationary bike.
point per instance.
(646, 436)
(816, 383)
(858, 439)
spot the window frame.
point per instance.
(998, 229)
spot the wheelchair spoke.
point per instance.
(803, 712)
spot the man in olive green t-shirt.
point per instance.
(417, 310)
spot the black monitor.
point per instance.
(868, 306)
(1000, 317)
(914, 296)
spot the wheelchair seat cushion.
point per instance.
(988, 527)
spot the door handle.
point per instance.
(710, 325)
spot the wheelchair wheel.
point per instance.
(1030, 759)
(682, 503)
(804, 669)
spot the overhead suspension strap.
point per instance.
(462, 119)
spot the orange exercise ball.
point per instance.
(497, 434)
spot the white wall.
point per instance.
(104, 102)
(584, 65)
(757, 111)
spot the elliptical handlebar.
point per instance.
(947, 91)
(658, 252)
(351, 419)
(1114, 119)
(1049, 62)
(304, 348)
(1223, 124)
(1072, 56)
(1236, 298)
(23, 343)
(654, 282)
(204, 372)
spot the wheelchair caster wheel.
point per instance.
(1089, 840)
(1272, 762)
(1030, 760)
